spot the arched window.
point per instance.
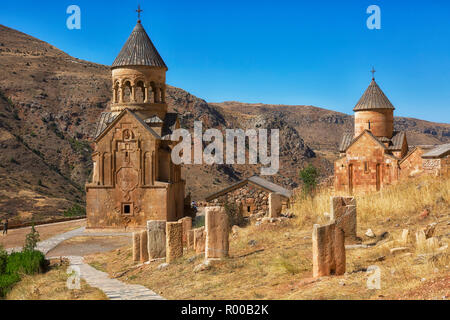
(127, 91)
(140, 92)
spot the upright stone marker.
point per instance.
(217, 233)
(156, 230)
(328, 247)
(190, 239)
(144, 246)
(343, 212)
(275, 205)
(199, 240)
(187, 225)
(136, 246)
(174, 241)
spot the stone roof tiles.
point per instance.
(139, 51)
(373, 98)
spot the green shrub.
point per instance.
(31, 240)
(27, 262)
(3, 260)
(309, 176)
(75, 211)
(7, 281)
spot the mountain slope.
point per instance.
(50, 103)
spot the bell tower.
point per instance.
(139, 77)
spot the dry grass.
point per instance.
(52, 286)
(279, 266)
(404, 199)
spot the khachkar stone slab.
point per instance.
(190, 239)
(187, 225)
(328, 248)
(275, 205)
(217, 233)
(136, 246)
(156, 234)
(343, 212)
(144, 246)
(199, 240)
(174, 241)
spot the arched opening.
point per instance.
(140, 92)
(126, 92)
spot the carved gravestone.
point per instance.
(343, 212)
(217, 233)
(190, 239)
(328, 248)
(187, 225)
(275, 205)
(174, 241)
(136, 246)
(143, 246)
(156, 234)
(199, 240)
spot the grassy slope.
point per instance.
(283, 269)
(52, 286)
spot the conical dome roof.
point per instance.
(139, 51)
(373, 98)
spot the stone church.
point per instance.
(134, 179)
(374, 155)
(371, 154)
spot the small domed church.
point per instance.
(134, 179)
(370, 156)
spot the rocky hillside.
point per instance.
(50, 102)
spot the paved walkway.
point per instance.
(113, 288)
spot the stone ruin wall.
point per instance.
(251, 197)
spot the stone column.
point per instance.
(187, 225)
(136, 246)
(328, 248)
(275, 200)
(156, 234)
(174, 241)
(133, 94)
(146, 95)
(199, 240)
(217, 233)
(121, 91)
(144, 246)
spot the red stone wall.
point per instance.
(381, 122)
(364, 156)
(412, 165)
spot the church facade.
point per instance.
(134, 179)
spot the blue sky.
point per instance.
(279, 52)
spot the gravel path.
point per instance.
(113, 288)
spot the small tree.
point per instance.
(234, 214)
(31, 240)
(309, 176)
